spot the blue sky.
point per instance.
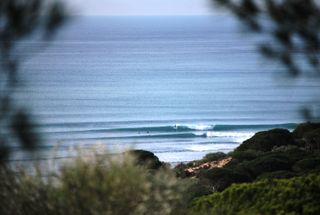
(140, 7)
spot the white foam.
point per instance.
(199, 127)
(236, 136)
(211, 147)
(201, 148)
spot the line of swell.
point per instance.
(185, 128)
(254, 127)
(169, 135)
(151, 136)
(174, 128)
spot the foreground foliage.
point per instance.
(274, 172)
(97, 186)
(299, 195)
(21, 20)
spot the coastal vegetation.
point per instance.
(274, 172)
(298, 195)
(281, 176)
(96, 185)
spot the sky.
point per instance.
(140, 7)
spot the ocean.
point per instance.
(180, 87)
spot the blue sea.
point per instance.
(180, 87)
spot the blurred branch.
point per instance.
(292, 26)
(19, 20)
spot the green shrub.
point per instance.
(239, 157)
(180, 170)
(292, 154)
(264, 164)
(146, 159)
(232, 164)
(245, 155)
(312, 141)
(214, 156)
(95, 186)
(194, 188)
(284, 148)
(282, 174)
(266, 140)
(22, 194)
(304, 128)
(221, 178)
(307, 164)
(299, 195)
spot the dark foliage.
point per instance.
(180, 170)
(282, 174)
(21, 19)
(312, 141)
(298, 195)
(308, 164)
(221, 178)
(24, 131)
(268, 163)
(146, 159)
(309, 136)
(292, 154)
(195, 189)
(214, 156)
(292, 26)
(266, 140)
(100, 185)
(304, 128)
(273, 154)
(290, 29)
(245, 155)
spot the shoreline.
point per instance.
(274, 164)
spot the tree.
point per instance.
(21, 19)
(293, 27)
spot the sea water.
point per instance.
(180, 87)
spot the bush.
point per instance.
(22, 194)
(194, 188)
(304, 128)
(214, 156)
(221, 178)
(312, 141)
(307, 164)
(245, 155)
(146, 159)
(266, 140)
(264, 164)
(97, 186)
(292, 153)
(180, 170)
(282, 174)
(285, 148)
(299, 195)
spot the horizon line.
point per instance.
(173, 15)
